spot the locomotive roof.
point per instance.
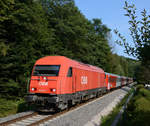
(116, 75)
(112, 74)
(49, 60)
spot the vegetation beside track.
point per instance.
(138, 109)
(137, 112)
(8, 107)
(108, 120)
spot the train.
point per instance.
(58, 82)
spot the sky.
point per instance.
(111, 13)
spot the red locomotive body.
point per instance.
(57, 81)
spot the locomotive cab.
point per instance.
(44, 79)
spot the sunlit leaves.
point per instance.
(140, 33)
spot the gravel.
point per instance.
(90, 114)
(15, 116)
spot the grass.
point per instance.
(108, 120)
(8, 107)
(138, 109)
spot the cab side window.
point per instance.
(69, 72)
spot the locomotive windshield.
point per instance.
(46, 70)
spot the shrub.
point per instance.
(138, 109)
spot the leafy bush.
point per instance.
(138, 109)
(8, 107)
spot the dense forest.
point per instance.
(31, 29)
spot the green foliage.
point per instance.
(6, 7)
(138, 110)
(77, 37)
(108, 119)
(139, 30)
(140, 33)
(8, 107)
(32, 29)
(142, 73)
(122, 66)
(26, 39)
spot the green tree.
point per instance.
(100, 48)
(25, 31)
(6, 7)
(76, 37)
(46, 27)
(140, 33)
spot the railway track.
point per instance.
(35, 118)
(9, 122)
(26, 120)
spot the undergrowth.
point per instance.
(108, 120)
(138, 109)
(8, 107)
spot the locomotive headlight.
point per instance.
(33, 89)
(53, 90)
(44, 78)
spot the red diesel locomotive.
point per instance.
(57, 82)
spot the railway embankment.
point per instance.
(109, 113)
(88, 114)
(116, 114)
(138, 109)
(135, 113)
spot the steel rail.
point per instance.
(17, 119)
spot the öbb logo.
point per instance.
(84, 79)
(43, 83)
